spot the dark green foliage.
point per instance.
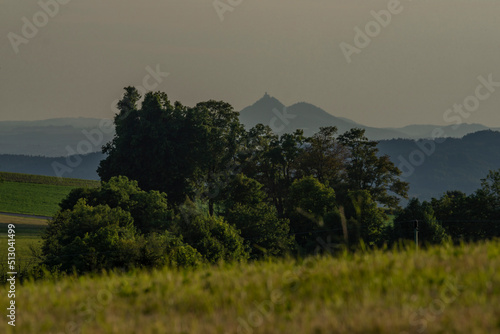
(474, 217)
(212, 237)
(264, 233)
(163, 249)
(91, 239)
(324, 157)
(119, 225)
(430, 230)
(199, 151)
(245, 208)
(314, 217)
(148, 209)
(489, 195)
(171, 148)
(366, 219)
(368, 171)
(311, 196)
(243, 190)
(115, 225)
(453, 205)
(274, 162)
(219, 138)
(152, 144)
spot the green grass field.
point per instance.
(34, 194)
(444, 289)
(32, 199)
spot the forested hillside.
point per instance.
(455, 164)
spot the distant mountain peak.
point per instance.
(267, 102)
(304, 115)
(267, 97)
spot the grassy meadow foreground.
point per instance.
(445, 289)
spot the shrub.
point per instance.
(90, 239)
(149, 210)
(212, 237)
(158, 250)
(264, 233)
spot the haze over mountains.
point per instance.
(455, 164)
(282, 119)
(52, 137)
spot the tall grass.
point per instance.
(443, 289)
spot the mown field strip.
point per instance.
(47, 180)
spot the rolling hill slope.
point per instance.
(455, 164)
(35, 194)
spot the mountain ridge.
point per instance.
(453, 164)
(52, 137)
(303, 115)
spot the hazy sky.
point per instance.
(427, 59)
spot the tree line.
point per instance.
(189, 185)
(454, 216)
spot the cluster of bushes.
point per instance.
(118, 225)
